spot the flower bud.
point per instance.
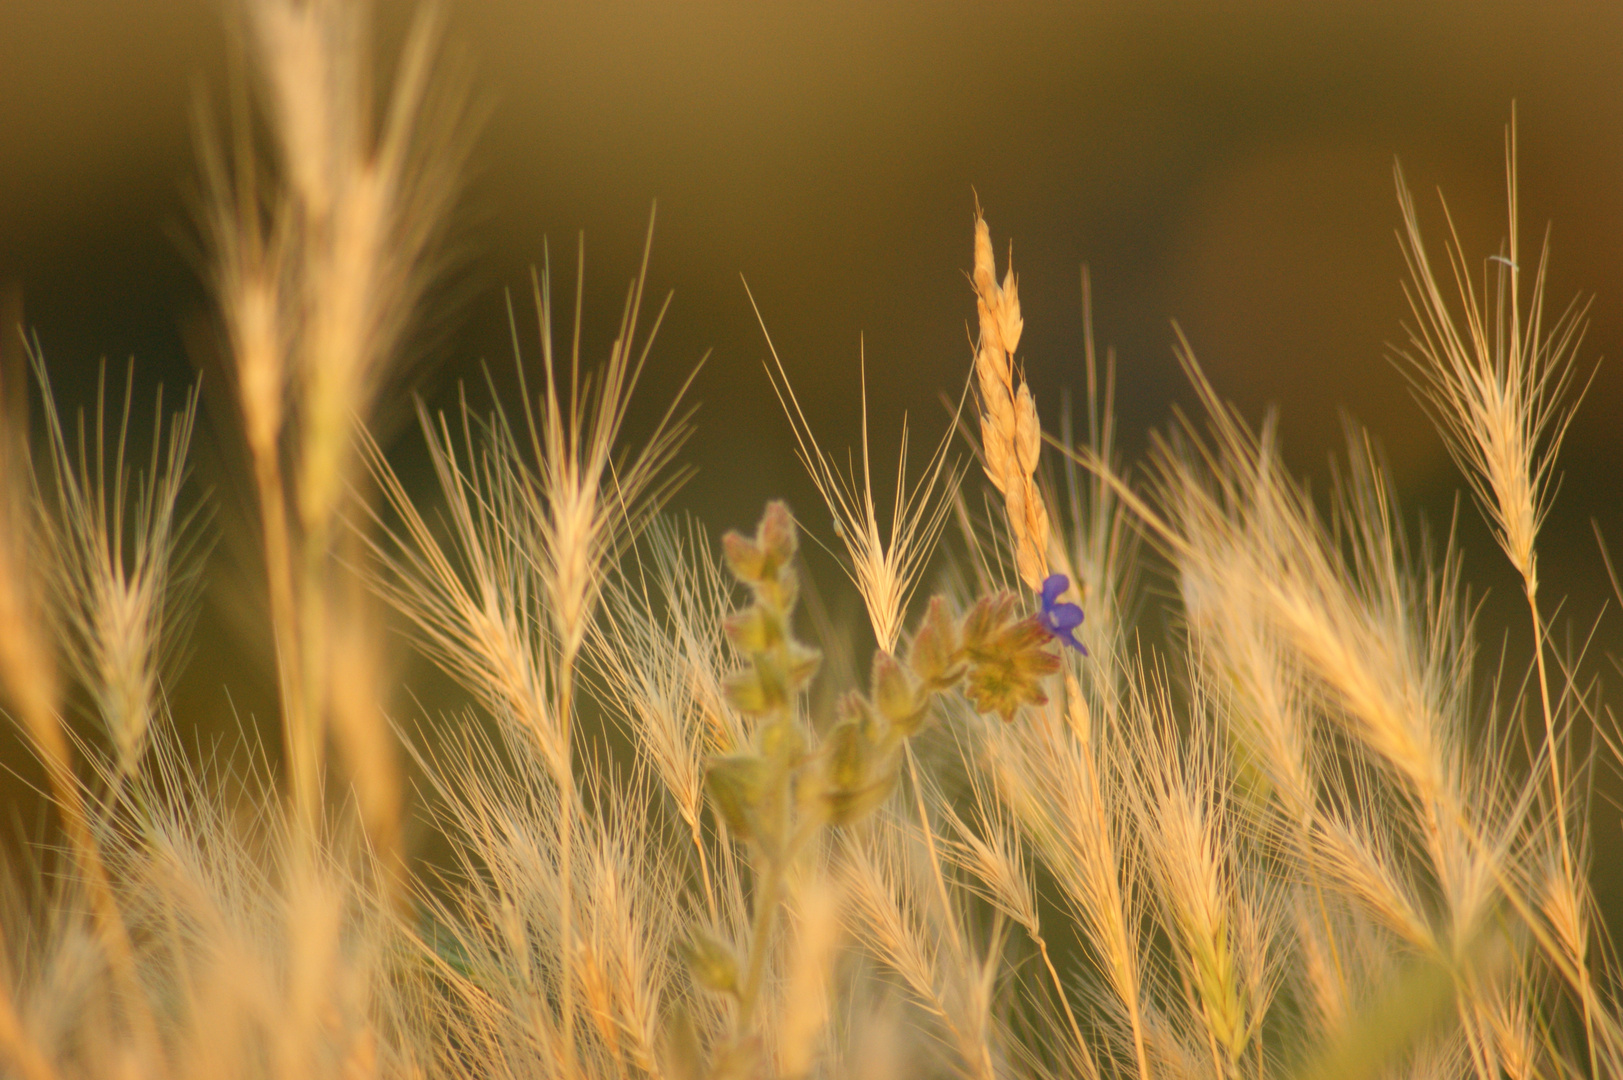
(845, 755)
(744, 557)
(778, 591)
(986, 618)
(776, 533)
(761, 560)
(803, 664)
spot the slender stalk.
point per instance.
(761, 926)
(935, 860)
(773, 863)
(947, 917)
(563, 767)
(1064, 1000)
(276, 543)
(1558, 786)
(115, 935)
(704, 869)
(1585, 989)
(312, 678)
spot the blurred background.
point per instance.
(1224, 165)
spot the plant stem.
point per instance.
(1059, 988)
(935, 861)
(563, 766)
(1558, 788)
(765, 916)
(276, 539)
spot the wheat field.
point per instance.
(1159, 768)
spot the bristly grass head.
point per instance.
(505, 603)
(586, 503)
(114, 566)
(1496, 386)
(884, 565)
(1497, 390)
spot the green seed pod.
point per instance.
(738, 789)
(782, 741)
(758, 690)
(778, 590)
(854, 708)
(754, 629)
(856, 771)
(745, 558)
(759, 562)
(934, 653)
(712, 963)
(989, 616)
(803, 664)
(847, 807)
(845, 756)
(1007, 666)
(898, 696)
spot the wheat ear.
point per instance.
(1011, 437)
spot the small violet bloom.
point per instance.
(1060, 619)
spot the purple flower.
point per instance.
(1060, 619)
